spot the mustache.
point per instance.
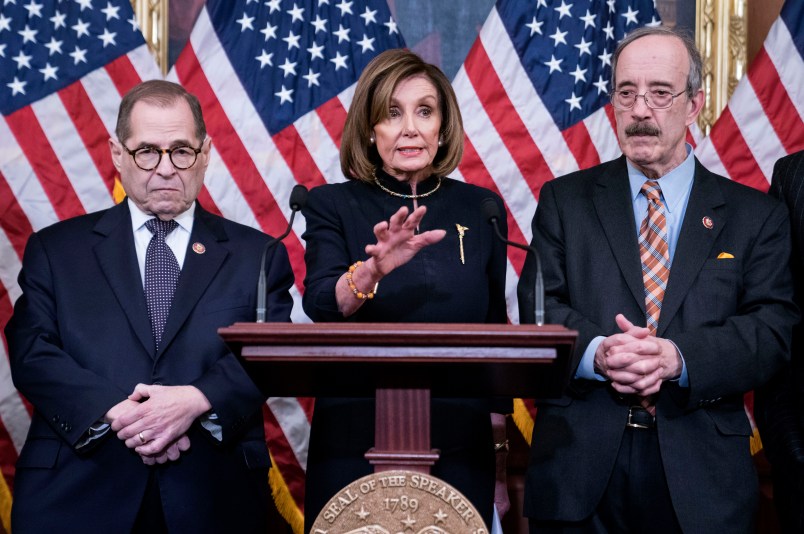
(642, 128)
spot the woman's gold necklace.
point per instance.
(400, 195)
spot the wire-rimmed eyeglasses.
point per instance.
(654, 99)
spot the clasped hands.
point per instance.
(635, 361)
(154, 420)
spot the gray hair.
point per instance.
(696, 64)
(159, 93)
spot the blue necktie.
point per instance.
(161, 276)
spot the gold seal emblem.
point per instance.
(399, 502)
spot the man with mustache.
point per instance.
(678, 284)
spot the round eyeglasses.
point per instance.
(148, 158)
(654, 99)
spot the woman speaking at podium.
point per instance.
(401, 242)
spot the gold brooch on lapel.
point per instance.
(461, 232)
(708, 222)
(198, 248)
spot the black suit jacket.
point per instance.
(434, 286)
(80, 340)
(780, 405)
(730, 318)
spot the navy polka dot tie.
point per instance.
(161, 276)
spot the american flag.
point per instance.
(534, 94)
(63, 69)
(275, 80)
(764, 118)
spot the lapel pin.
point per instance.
(708, 223)
(198, 248)
(461, 232)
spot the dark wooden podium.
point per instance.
(402, 365)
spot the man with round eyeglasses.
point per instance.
(148, 158)
(144, 420)
(678, 284)
(146, 130)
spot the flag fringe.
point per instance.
(5, 504)
(756, 442)
(523, 420)
(284, 501)
(118, 193)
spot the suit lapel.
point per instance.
(197, 272)
(695, 241)
(117, 259)
(614, 206)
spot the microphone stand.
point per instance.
(298, 198)
(492, 213)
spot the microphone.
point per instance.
(298, 198)
(491, 212)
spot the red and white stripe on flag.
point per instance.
(764, 119)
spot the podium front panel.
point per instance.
(451, 360)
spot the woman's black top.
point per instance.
(434, 287)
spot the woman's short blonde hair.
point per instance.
(370, 105)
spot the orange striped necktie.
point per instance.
(654, 253)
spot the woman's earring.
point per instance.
(440, 141)
(371, 140)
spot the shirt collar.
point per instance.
(675, 184)
(139, 217)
